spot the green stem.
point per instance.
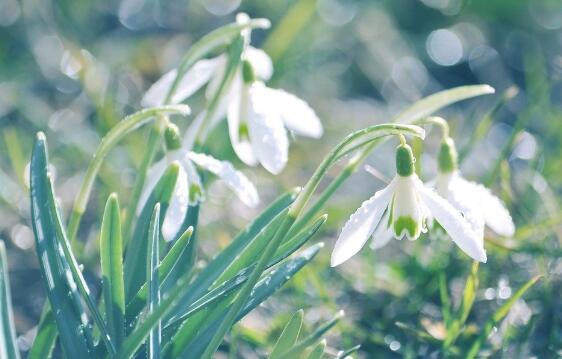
(435, 120)
(109, 141)
(371, 134)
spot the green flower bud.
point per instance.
(404, 160)
(248, 72)
(447, 158)
(172, 137)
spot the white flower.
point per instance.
(478, 205)
(257, 115)
(402, 209)
(188, 188)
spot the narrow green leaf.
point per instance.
(498, 316)
(345, 353)
(8, 344)
(152, 276)
(289, 336)
(445, 301)
(432, 103)
(318, 351)
(111, 253)
(74, 332)
(46, 337)
(136, 251)
(193, 347)
(224, 258)
(312, 338)
(170, 260)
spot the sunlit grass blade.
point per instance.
(239, 278)
(153, 281)
(136, 251)
(108, 142)
(225, 257)
(289, 335)
(318, 351)
(345, 353)
(74, 332)
(169, 261)
(498, 316)
(445, 300)
(312, 338)
(432, 103)
(111, 253)
(8, 344)
(46, 336)
(182, 346)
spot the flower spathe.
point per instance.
(402, 209)
(479, 206)
(188, 189)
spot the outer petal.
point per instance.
(453, 222)
(234, 179)
(196, 192)
(297, 115)
(267, 133)
(383, 234)
(237, 112)
(467, 204)
(192, 81)
(361, 225)
(493, 211)
(177, 209)
(261, 62)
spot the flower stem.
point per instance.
(436, 120)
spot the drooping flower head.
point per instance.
(403, 209)
(479, 206)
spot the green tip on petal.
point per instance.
(447, 157)
(172, 137)
(248, 73)
(404, 160)
(407, 224)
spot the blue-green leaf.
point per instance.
(8, 344)
(289, 336)
(153, 281)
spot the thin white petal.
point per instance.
(260, 61)
(152, 178)
(196, 191)
(267, 133)
(234, 179)
(216, 79)
(495, 214)
(177, 209)
(237, 112)
(453, 222)
(361, 225)
(156, 93)
(467, 204)
(297, 115)
(383, 234)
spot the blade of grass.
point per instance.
(136, 251)
(153, 279)
(46, 337)
(74, 332)
(8, 344)
(289, 335)
(318, 351)
(498, 316)
(111, 255)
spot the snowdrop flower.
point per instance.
(402, 209)
(257, 115)
(188, 188)
(479, 206)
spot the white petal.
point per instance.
(153, 176)
(260, 61)
(177, 209)
(383, 234)
(237, 112)
(196, 191)
(267, 134)
(467, 204)
(193, 80)
(297, 115)
(216, 79)
(407, 204)
(454, 224)
(361, 225)
(495, 214)
(234, 179)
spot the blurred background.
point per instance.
(75, 68)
